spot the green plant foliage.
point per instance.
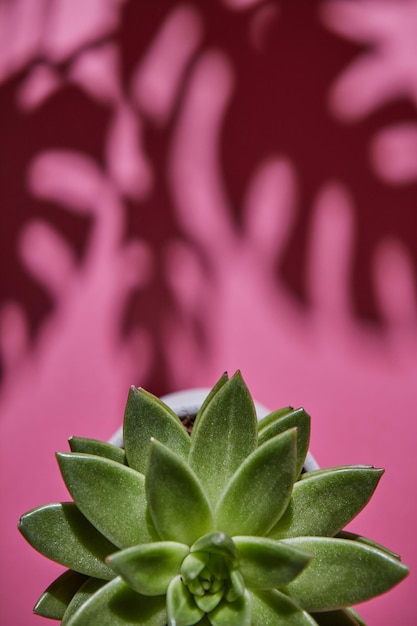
(279, 421)
(219, 528)
(55, 599)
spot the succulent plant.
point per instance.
(218, 527)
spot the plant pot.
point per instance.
(189, 401)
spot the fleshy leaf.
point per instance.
(351, 611)
(181, 608)
(237, 613)
(213, 391)
(89, 588)
(293, 419)
(224, 435)
(258, 493)
(237, 585)
(209, 601)
(110, 495)
(178, 505)
(344, 534)
(149, 568)
(99, 448)
(216, 543)
(273, 416)
(192, 565)
(146, 416)
(266, 564)
(341, 617)
(342, 573)
(270, 608)
(55, 599)
(116, 604)
(323, 502)
(60, 532)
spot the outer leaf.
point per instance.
(224, 435)
(146, 416)
(356, 616)
(182, 610)
(294, 419)
(222, 380)
(177, 502)
(272, 417)
(259, 492)
(342, 617)
(323, 502)
(237, 613)
(266, 564)
(60, 532)
(270, 608)
(342, 573)
(149, 568)
(110, 495)
(344, 534)
(55, 599)
(89, 588)
(115, 604)
(99, 448)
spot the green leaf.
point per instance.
(237, 585)
(149, 568)
(270, 608)
(110, 495)
(146, 416)
(55, 599)
(293, 419)
(258, 493)
(193, 565)
(341, 617)
(89, 588)
(181, 608)
(266, 564)
(222, 380)
(60, 532)
(178, 505)
(216, 543)
(99, 448)
(323, 502)
(209, 601)
(273, 416)
(344, 534)
(115, 604)
(224, 435)
(356, 616)
(237, 613)
(342, 573)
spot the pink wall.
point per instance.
(192, 187)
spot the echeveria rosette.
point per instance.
(218, 528)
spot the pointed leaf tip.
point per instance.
(147, 416)
(60, 532)
(324, 501)
(224, 434)
(342, 573)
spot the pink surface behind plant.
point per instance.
(166, 237)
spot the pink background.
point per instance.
(192, 187)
